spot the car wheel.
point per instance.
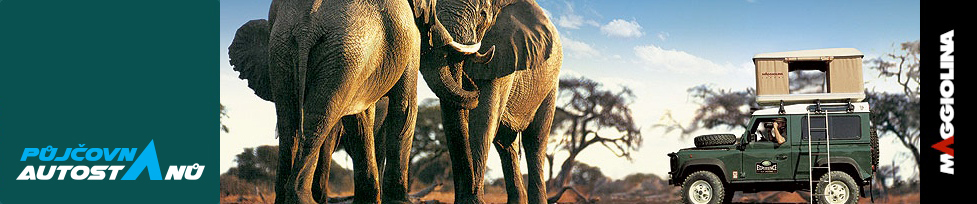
(714, 140)
(874, 134)
(836, 187)
(703, 187)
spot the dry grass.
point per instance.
(247, 199)
(492, 196)
(907, 198)
(255, 199)
(785, 197)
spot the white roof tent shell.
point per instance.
(811, 54)
(844, 76)
(796, 109)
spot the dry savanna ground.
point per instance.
(493, 196)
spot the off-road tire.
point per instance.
(718, 189)
(875, 147)
(730, 193)
(716, 139)
(839, 179)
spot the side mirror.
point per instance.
(744, 140)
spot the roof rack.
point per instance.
(787, 99)
(815, 107)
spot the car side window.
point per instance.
(843, 127)
(773, 130)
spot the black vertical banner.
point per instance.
(944, 100)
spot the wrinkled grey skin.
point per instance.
(323, 63)
(320, 181)
(509, 91)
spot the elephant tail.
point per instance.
(307, 40)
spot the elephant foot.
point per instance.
(344, 199)
(397, 201)
(469, 201)
(402, 198)
(304, 198)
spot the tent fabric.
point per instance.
(845, 75)
(843, 67)
(771, 77)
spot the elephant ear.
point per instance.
(249, 56)
(523, 39)
(423, 10)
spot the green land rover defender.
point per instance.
(836, 137)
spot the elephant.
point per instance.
(508, 87)
(320, 181)
(326, 64)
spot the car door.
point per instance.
(766, 160)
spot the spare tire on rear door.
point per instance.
(715, 139)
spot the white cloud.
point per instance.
(663, 35)
(573, 21)
(570, 19)
(656, 58)
(579, 49)
(622, 28)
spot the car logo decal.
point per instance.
(766, 167)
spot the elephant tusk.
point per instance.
(465, 49)
(484, 58)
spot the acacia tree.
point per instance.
(259, 166)
(223, 115)
(427, 156)
(717, 108)
(591, 115)
(897, 114)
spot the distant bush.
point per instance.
(230, 184)
(256, 167)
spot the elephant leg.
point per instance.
(303, 169)
(399, 136)
(360, 146)
(484, 122)
(534, 142)
(509, 155)
(319, 116)
(287, 137)
(379, 115)
(379, 150)
(320, 182)
(455, 124)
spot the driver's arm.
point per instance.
(777, 136)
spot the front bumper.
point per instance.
(673, 168)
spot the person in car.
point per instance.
(779, 130)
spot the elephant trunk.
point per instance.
(449, 88)
(446, 79)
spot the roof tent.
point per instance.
(842, 68)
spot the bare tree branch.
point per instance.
(223, 115)
(586, 112)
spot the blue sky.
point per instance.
(657, 48)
